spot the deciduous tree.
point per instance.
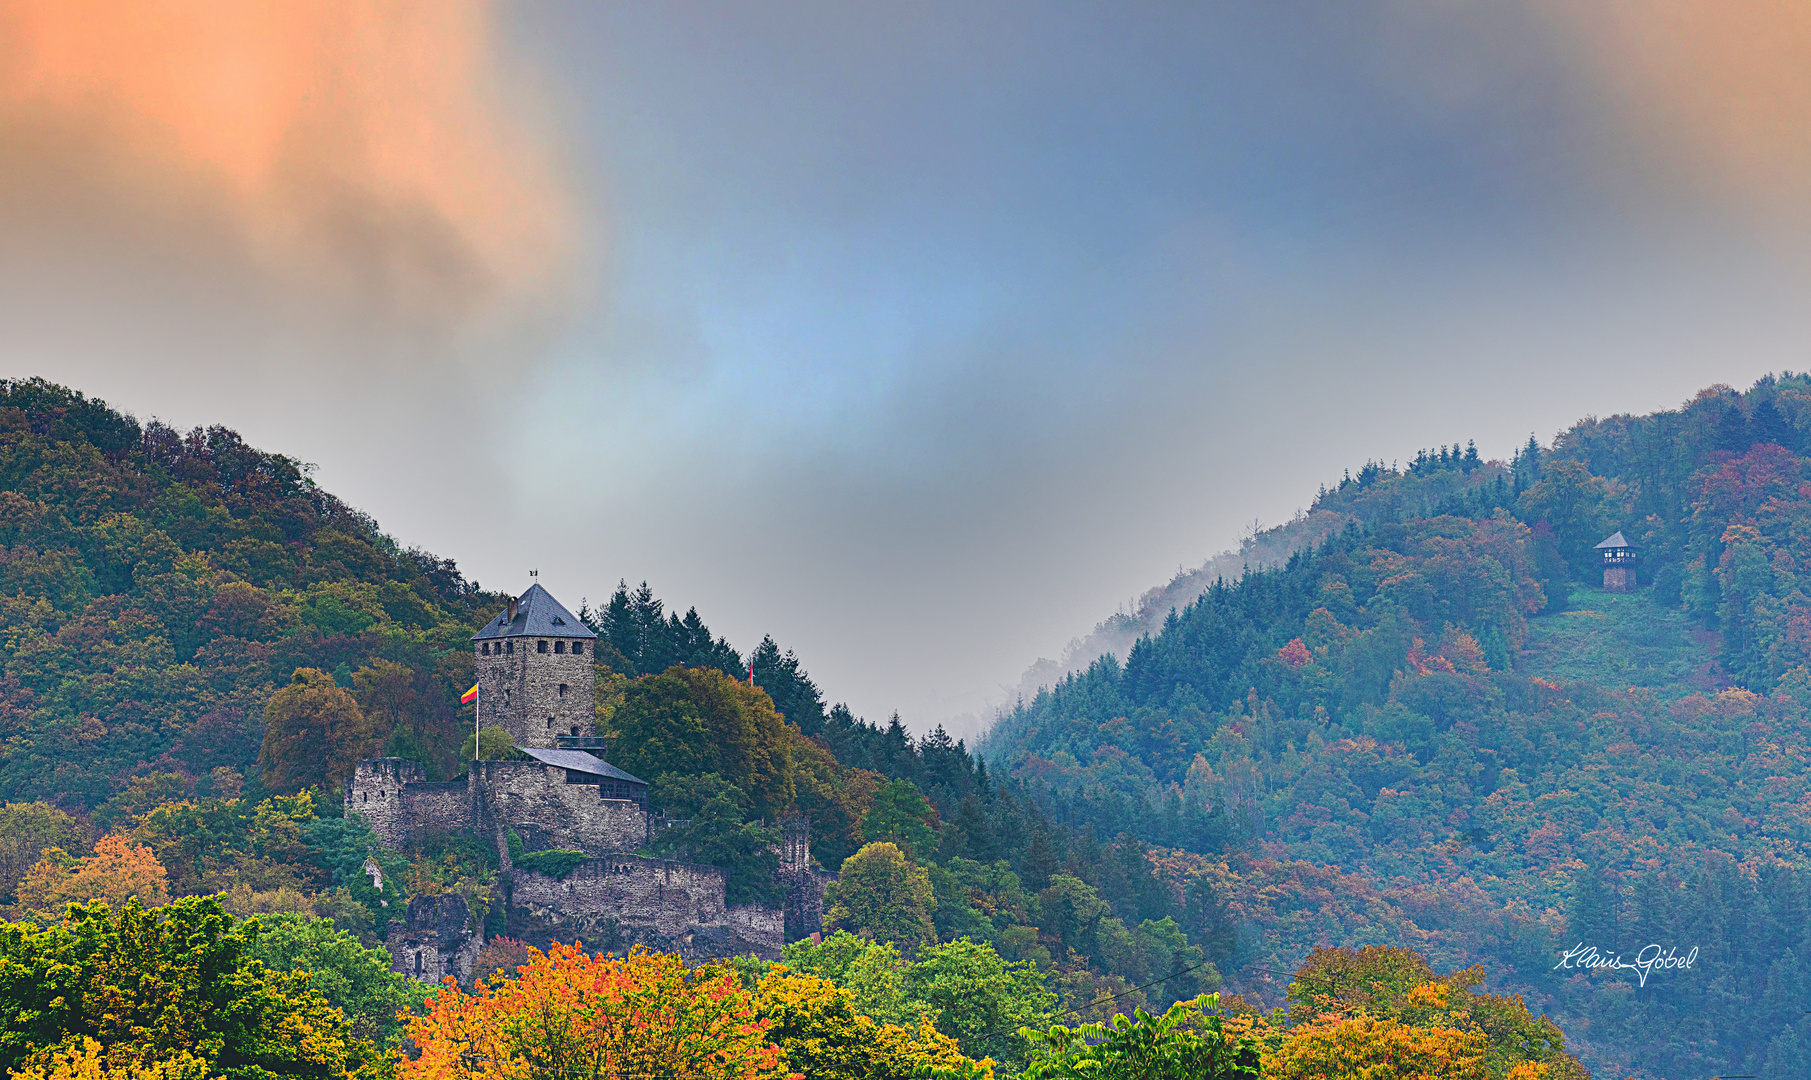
(568, 1013)
(817, 1027)
(315, 733)
(882, 895)
(118, 871)
(175, 986)
(1185, 1043)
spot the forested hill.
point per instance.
(157, 586)
(1439, 705)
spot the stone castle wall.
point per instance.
(547, 812)
(535, 800)
(614, 903)
(376, 793)
(436, 938)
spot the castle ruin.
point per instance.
(537, 682)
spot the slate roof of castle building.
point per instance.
(538, 614)
(1615, 540)
(579, 761)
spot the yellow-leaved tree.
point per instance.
(882, 895)
(817, 1028)
(1364, 1046)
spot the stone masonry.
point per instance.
(536, 677)
(533, 799)
(437, 938)
(615, 903)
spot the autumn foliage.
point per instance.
(820, 1033)
(1363, 1046)
(571, 1014)
(119, 870)
(315, 734)
(171, 993)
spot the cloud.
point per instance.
(1722, 90)
(374, 153)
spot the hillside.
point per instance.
(1428, 727)
(199, 643)
(1433, 728)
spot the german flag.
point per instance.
(469, 695)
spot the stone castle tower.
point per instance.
(535, 673)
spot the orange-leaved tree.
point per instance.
(568, 1013)
(117, 871)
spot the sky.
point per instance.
(921, 337)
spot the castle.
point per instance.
(536, 681)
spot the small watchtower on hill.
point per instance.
(1619, 561)
(535, 674)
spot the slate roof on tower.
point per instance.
(538, 614)
(1615, 540)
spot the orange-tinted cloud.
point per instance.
(369, 148)
(1723, 88)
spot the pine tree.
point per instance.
(792, 690)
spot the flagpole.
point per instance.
(477, 707)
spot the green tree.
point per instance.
(178, 983)
(342, 846)
(681, 796)
(494, 744)
(351, 977)
(1145, 1047)
(873, 972)
(314, 734)
(901, 815)
(26, 829)
(824, 1034)
(883, 896)
(717, 835)
(1572, 503)
(976, 995)
(691, 721)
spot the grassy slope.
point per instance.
(1613, 640)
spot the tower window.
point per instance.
(559, 646)
(484, 649)
(550, 723)
(510, 648)
(540, 646)
(562, 689)
(578, 647)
